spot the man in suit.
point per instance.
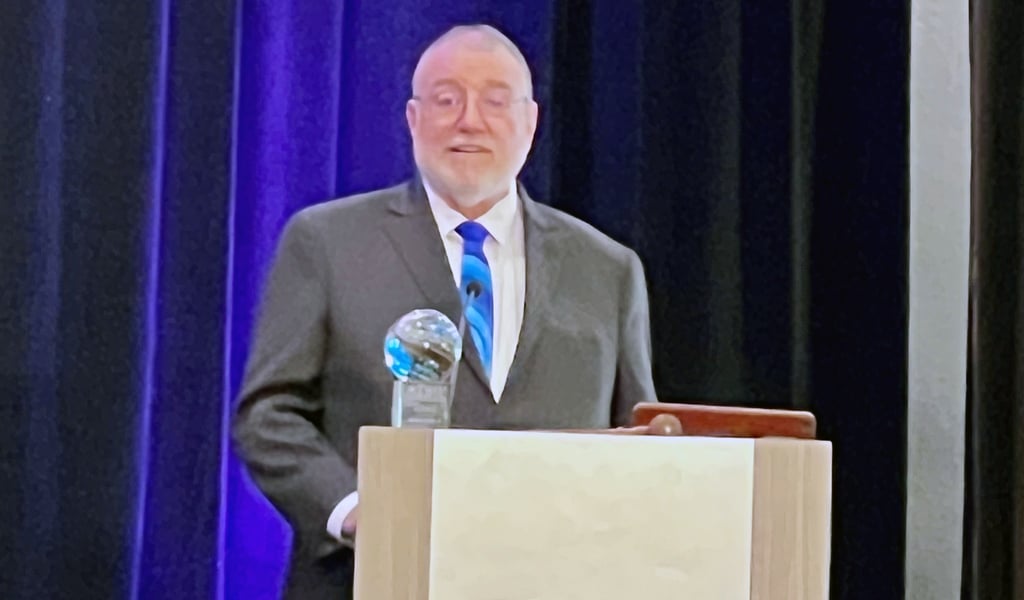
(560, 337)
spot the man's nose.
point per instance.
(471, 118)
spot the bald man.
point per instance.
(560, 337)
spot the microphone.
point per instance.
(474, 289)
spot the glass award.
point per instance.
(422, 350)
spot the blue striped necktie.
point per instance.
(480, 312)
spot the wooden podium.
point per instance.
(531, 515)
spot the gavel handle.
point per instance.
(662, 425)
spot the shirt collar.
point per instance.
(498, 221)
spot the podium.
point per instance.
(538, 515)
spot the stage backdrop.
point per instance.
(753, 153)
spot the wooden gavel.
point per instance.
(668, 419)
(662, 424)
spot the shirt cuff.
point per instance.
(342, 510)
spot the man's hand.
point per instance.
(348, 526)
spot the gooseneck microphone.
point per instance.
(474, 289)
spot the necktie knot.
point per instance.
(473, 233)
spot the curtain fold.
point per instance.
(286, 109)
(81, 126)
(116, 167)
(189, 252)
(857, 268)
(994, 515)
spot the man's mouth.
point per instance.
(469, 149)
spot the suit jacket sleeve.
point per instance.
(276, 425)
(634, 380)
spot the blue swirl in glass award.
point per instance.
(422, 350)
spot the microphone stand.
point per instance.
(473, 290)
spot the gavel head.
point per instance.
(665, 424)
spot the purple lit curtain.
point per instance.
(150, 151)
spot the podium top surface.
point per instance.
(637, 433)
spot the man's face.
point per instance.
(471, 120)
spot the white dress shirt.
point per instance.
(505, 249)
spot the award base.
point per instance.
(420, 405)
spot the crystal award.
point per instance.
(422, 350)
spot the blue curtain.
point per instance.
(150, 153)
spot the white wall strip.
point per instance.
(940, 170)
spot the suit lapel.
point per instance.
(543, 262)
(413, 233)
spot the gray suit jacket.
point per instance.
(347, 269)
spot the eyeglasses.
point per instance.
(451, 103)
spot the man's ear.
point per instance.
(533, 116)
(412, 114)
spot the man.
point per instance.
(560, 338)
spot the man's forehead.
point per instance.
(468, 54)
(450, 82)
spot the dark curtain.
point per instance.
(994, 523)
(115, 121)
(753, 153)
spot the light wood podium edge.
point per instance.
(791, 522)
(400, 494)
